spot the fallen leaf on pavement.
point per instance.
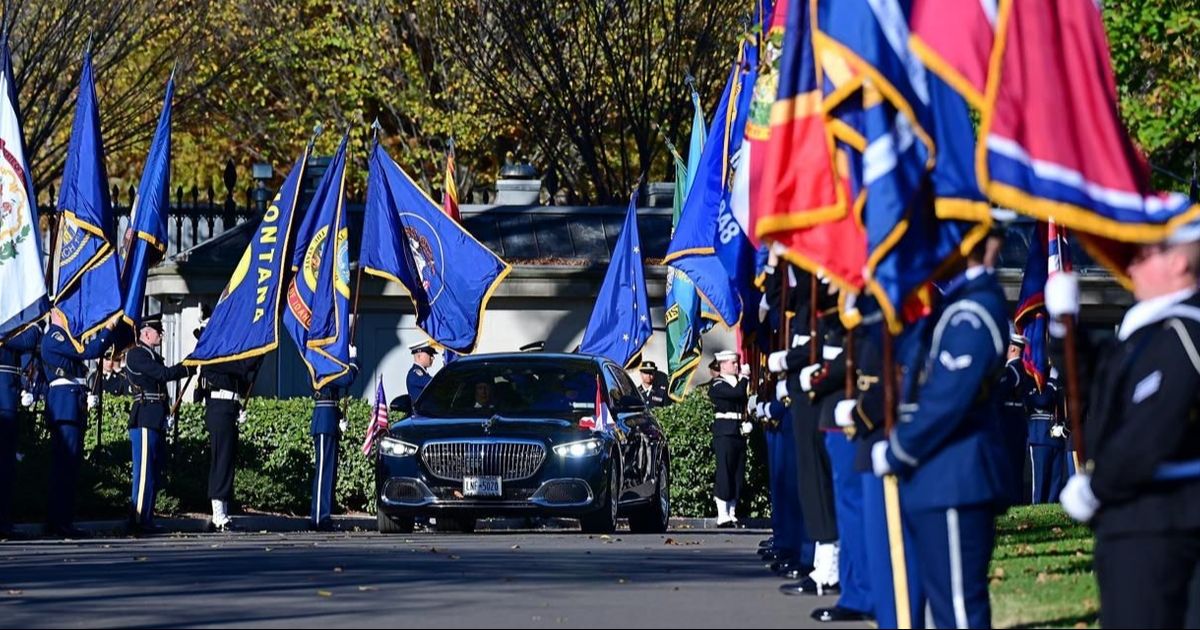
(325, 593)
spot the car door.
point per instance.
(631, 416)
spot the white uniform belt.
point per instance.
(326, 403)
(61, 382)
(224, 394)
(729, 415)
(10, 369)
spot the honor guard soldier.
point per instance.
(148, 420)
(1012, 388)
(1140, 483)
(730, 396)
(948, 450)
(66, 411)
(227, 386)
(11, 351)
(1047, 441)
(654, 394)
(418, 374)
(112, 380)
(328, 424)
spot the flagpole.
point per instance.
(1073, 402)
(891, 491)
(812, 319)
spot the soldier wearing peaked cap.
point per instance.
(1140, 486)
(655, 394)
(730, 395)
(148, 376)
(418, 375)
(1012, 388)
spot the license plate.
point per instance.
(481, 486)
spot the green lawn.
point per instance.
(1042, 571)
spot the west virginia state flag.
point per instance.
(23, 299)
(149, 215)
(449, 275)
(245, 322)
(86, 273)
(620, 323)
(318, 297)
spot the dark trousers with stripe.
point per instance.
(955, 547)
(848, 501)
(813, 474)
(1144, 578)
(731, 466)
(66, 453)
(148, 450)
(785, 497)
(324, 477)
(1047, 471)
(220, 418)
(879, 559)
(8, 465)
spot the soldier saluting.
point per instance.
(148, 376)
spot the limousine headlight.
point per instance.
(397, 448)
(584, 448)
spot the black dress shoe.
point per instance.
(725, 525)
(324, 526)
(227, 527)
(767, 542)
(808, 586)
(837, 613)
(146, 530)
(797, 572)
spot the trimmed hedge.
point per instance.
(275, 462)
(694, 466)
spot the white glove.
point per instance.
(781, 390)
(806, 374)
(777, 361)
(1062, 295)
(353, 352)
(744, 372)
(843, 413)
(747, 427)
(1077, 498)
(27, 399)
(170, 422)
(242, 417)
(763, 410)
(1058, 431)
(343, 424)
(752, 403)
(92, 401)
(879, 462)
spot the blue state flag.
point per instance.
(23, 300)
(407, 239)
(245, 322)
(149, 215)
(711, 245)
(86, 271)
(318, 297)
(620, 323)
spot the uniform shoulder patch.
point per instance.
(419, 370)
(953, 363)
(1147, 387)
(58, 336)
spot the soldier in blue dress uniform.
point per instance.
(11, 352)
(418, 375)
(1047, 442)
(948, 449)
(66, 413)
(148, 376)
(327, 426)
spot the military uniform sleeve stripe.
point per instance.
(972, 311)
(1186, 340)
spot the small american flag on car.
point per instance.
(379, 421)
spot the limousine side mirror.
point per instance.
(402, 404)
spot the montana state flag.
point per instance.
(245, 322)
(407, 239)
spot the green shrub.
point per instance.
(693, 465)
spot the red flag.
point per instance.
(450, 189)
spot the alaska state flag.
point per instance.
(23, 299)
(620, 323)
(245, 322)
(149, 215)
(86, 272)
(318, 297)
(407, 239)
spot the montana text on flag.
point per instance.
(149, 215)
(407, 239)
(450, 188)
(23, 299)
(245, 322)
(684, 321)
(318, 296)
(620, 323)
(711, 244)
(86, 271)
(379, 419)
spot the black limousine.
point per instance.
(528, 434)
